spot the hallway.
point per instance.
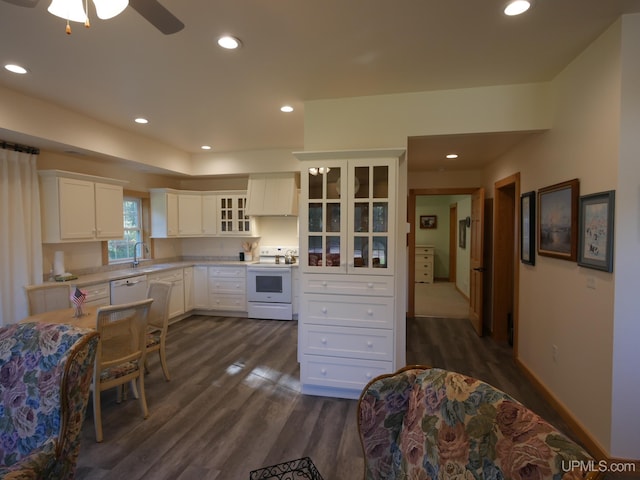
(440, 299)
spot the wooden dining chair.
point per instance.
(158, 323)
(46, 297)
(121, 353)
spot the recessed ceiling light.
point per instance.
(141, 120)
(286, 109)
(516, 7)
(206, 147)
(15, 68)
(228, 42)
(451, 156)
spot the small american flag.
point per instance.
(78, 297)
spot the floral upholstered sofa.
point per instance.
(426, 423)
(45, 375)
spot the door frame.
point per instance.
(411, 219)
(507, 217)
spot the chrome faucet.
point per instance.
(136, 262)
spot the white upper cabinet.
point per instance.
(190, 215)
(176, 213)
(76, 207)
(232, 214)
(164, 213)
(272, 194)
(209, 214)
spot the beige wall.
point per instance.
(556, 306)
(582, 108)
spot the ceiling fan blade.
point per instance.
(156, 14)
(24, 3)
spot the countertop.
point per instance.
(102, 277)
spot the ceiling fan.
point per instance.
(151, 10)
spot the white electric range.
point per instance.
(269, 294)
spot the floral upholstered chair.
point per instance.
(45, 375)
(426, 423)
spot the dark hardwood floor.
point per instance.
(233, 404)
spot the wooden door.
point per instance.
(477, 256)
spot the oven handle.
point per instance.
(267, 269)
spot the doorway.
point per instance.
(446, 269)
(505, 265)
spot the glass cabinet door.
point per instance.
(325, 222)
(370, 210)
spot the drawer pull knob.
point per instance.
(370, 285)
(324, 284)
(368, 375)
(369, 312)
(369, 344)
(324, 309)
(323, 371)
(324, 341)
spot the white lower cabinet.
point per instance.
(200, 288)
(228, 288)
(346, 333)
(188, 289)
(176, 279)
(97, 295)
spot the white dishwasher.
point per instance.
(128, 290)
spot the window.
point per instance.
(123, 250)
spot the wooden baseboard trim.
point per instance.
(592, 445)
(624, 468)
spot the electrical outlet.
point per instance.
(554, 353)
(591, 282)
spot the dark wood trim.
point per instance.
(506, 272)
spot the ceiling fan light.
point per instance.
(106, 9)
(68, 9)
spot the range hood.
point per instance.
(272, 194)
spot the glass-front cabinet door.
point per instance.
(347, 219)
(325, 219)
(370, 210)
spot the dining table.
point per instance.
(67, 315)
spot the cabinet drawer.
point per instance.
(424, 269)
(367, 343)
(424, 250)
(347, 285)
(97, 291)
(350, 311)
(226, 285)
(344, 373)
(228, 302)
(223, 271)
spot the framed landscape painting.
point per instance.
(595, 248)
(558, 220)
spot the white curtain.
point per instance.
(20, 233)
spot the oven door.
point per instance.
(269, 284)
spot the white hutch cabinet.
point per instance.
(352, 257)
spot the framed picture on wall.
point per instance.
(428, 221)
(462, 233)
(558, 220)
(528, 228)
(595, 247)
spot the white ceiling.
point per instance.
(194, 93)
